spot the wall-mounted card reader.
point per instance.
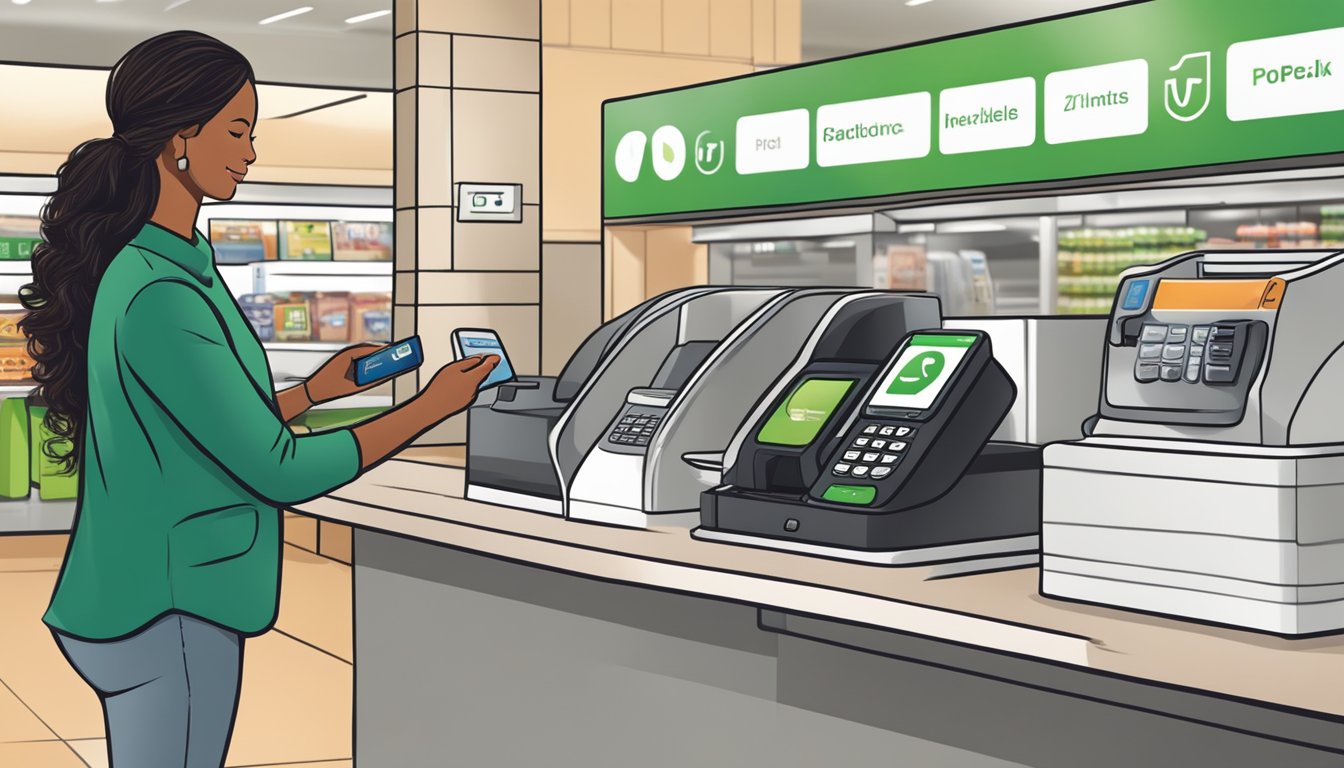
(489, 202)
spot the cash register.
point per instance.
(1211, 480)
(891, 467)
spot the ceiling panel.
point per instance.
(841, 27)
(317, 48)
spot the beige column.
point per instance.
(600, 49)
(467, 109)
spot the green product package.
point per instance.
(15, 461)
(46, 472)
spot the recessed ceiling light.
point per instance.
(917, 2)
(287, 15)
(970, 227)
(366, 17)
(22, 2)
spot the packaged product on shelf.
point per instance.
(908, 267)
(259, 309)
(18, 236)
(361, 241)
(9, 327)
(371, 317)
(243, 242)
(305, 240)
(293, 318)
(15, 363)
(333, 316)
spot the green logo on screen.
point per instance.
(918, 374)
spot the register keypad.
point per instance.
(635, 429)
(1173, 352)
(876, 459)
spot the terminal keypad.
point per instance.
(1173, 353)
(875, 457)
(635, 429)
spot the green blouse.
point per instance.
(187, 460)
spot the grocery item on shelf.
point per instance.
(370, 317)
(243, 241)
(1283, 234)
(361, 241)
(1091, 260)
(9, 327)
(18, 236)
(259, 309)
(1332, 225)
(16, 365)
(305, 240)
(901, 268)
(293, 318)
(333, 316)
(329, 317)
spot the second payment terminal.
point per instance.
(908, 476)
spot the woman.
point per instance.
(161, 396)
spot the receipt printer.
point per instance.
(895, 470)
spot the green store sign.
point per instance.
(1149, 86)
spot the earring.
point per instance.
(182, 163)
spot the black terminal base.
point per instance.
(998, 497)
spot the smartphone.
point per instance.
(392, 360)
(483, 341)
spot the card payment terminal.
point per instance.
(907, 478)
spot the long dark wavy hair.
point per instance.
(105, 192)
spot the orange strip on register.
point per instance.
(1218, 294)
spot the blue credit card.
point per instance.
(487, 345)
(394, 359)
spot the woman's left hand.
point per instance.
(336, 378)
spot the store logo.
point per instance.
(709, 153)
(1188, 93)
(630, 155)
(918, 374)
(669, 152)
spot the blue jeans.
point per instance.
(169, 692)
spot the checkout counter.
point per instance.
(611, 645)
(1210, 485)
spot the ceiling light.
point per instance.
(287, 15)
(906, 229)
(366, 17)
(913, 3)
(22, 2)
(968, 227)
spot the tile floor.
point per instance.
(297, 680)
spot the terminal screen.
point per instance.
(921, 371)
(804, 412)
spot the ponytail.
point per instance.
(105, 193)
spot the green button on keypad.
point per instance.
(850, 494)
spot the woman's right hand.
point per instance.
(452, 389)
(454, 386)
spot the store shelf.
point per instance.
(10, 390)
(33, 515)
